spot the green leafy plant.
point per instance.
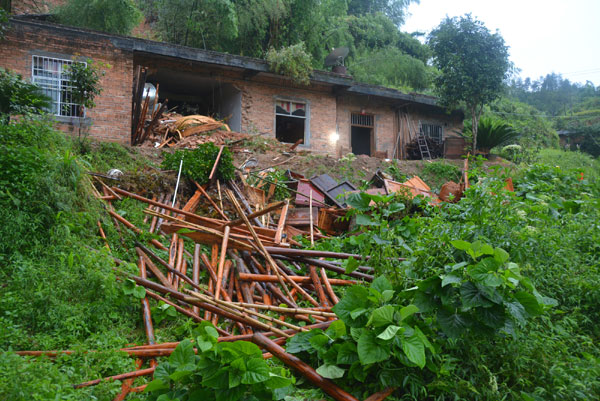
(492, 132)
(85, 79)
(19, 97)
(225, 371)
(292, 61)
(198, 163)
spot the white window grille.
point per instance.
(433, 131)
(51, 76)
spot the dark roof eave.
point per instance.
(388, 93)
(211, 57)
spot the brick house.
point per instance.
(333, 114)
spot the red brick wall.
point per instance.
(259, 95)
(385, 122)
(111, 118)
(258, 111)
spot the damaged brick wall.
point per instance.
(111, 118)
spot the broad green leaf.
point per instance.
(354, 298)
(319, 342)
(424, 339)
(370, 351)
(389, 332)
(277, 381)
(382, 316)
(480, 249)
(183, 354)
(500, 255)
(182, 371)
(484, 272)
(330, 371)
(450, 279)
(494, 317)
(381, 284)
(407, 311)
(336, 329)
(301, 342)
(156, 384)
(347, 354)
(517, 311)
(350, 265)
(359, 201)
(453, 323)
(247, 348)
(529, 302)
(257, 371)
(163, 371)
(358, 312)
(414, 349)
(461, 245)
(387, 295)
(472, 297)
(366, 220)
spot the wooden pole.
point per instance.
(305, 370)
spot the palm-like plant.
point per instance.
(491, 132)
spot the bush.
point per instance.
(292, 61)
(19, 97)
(198, 163)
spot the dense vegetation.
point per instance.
(497, 297)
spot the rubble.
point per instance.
(259, 282)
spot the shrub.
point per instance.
(19, 97)
(292, 61)
(198, 163)
(491, 133)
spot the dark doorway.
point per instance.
(361, 140)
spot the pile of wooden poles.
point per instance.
(256, 286)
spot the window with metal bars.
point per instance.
(433, 131)
(362, 120)
(52, 77)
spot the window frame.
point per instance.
(60, 84)
(428, 134)
(306, 117)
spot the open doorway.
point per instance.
(196, 94)
(361, 134)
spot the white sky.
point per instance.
(544, 35)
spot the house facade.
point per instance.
(332, 115)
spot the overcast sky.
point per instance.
(544, 35)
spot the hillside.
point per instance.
(494, 296)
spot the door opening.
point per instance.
(361, 134)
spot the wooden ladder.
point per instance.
(422, 142)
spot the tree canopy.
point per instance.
(473, 65)
(112, 16)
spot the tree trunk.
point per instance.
(475, 126)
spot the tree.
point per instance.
(473, 64)
(85, 79)
(112, 16)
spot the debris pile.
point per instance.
(259, 284)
